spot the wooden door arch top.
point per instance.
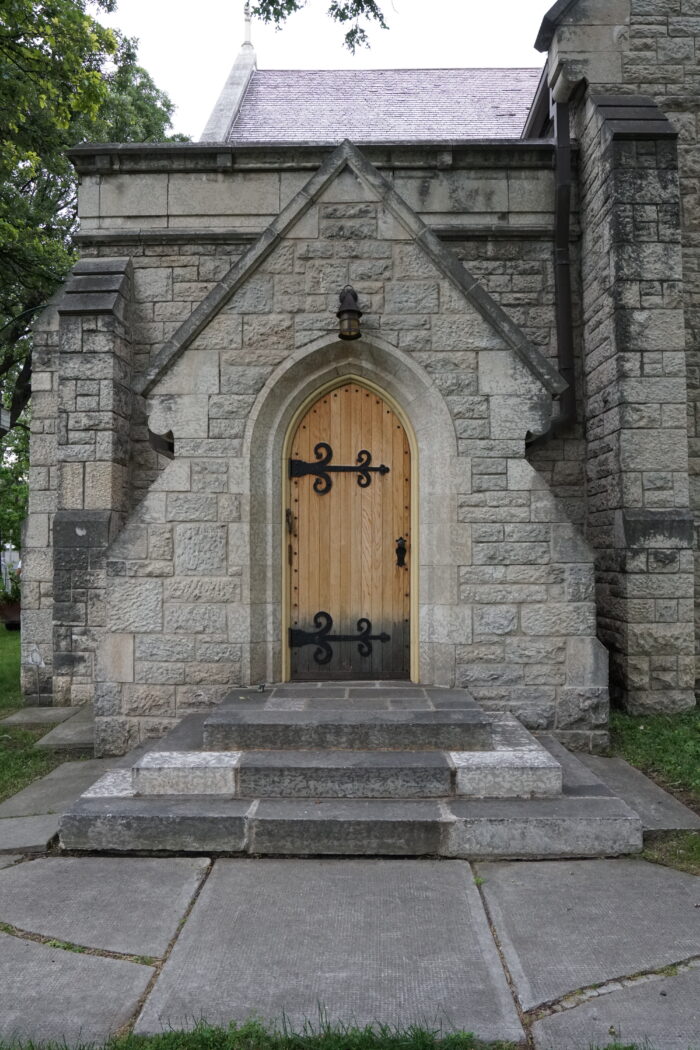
(348, 524)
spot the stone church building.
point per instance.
(391, 376)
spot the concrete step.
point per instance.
(515, 829)
(237, 727)
(74, 735)
(526, 773)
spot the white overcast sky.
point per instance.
(189, 47)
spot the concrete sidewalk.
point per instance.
(567, 953)
(572, 952)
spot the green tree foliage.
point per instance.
(13, 485)
(350, 13)
(64, 78)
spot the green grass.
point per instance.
(19, 762)
(10, 694)
(255, 1036)
(679, 849)
(666, 747)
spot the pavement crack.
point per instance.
(523, 1015)
(158, 964)
(582, 995)
(69, 946)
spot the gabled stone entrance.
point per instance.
(363, 769)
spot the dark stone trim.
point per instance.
(662, 529)
(82, 528)
(96, 286)
(186, 235)
(633, 117)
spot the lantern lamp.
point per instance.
(349, 314)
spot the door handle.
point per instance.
(401, 552)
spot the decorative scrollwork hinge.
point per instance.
(321, 637)
(322, 468)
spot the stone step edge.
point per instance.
(516, 829)
(522, 773)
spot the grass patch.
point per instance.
(10, 694)
(666, 747)
(252, 1035)
(20, 763)
(680, 849)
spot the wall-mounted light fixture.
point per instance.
(349, 314)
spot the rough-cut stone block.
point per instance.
(115, 658)
(186, 773)
(507, 774)
(374, 827)
(557, 618)
(134, 605)
(200, 550)
(563, 827)
(344, 774)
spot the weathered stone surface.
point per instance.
(661, 1012)
(390, 943)
(658, 810)
(135, 605)
(130, 905)
(186, 773)
(608, 918)
(29, 834)
(200, 550)
(507, 774)
(51, 995)
(54, 792)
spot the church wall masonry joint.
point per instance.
(551, 551)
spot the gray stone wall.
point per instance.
(506, 582)
(639, 274)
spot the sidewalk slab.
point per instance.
(39, 716)
(658, 810)
(359, 941)
(75, 734)
(47, 994)
(130, 905)
(664, 1014)
(27, 834)
(564, 926)
(57, 790)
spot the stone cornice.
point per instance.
(125, 158)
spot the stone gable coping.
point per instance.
(347, 155)
(550, 22)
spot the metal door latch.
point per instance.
(401, 552)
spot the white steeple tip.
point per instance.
(247, 24)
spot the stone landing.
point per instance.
(378, 769)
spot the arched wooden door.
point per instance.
(348, 535)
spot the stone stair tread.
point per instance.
(235, 715)
(471, 829)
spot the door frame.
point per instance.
(325, 388)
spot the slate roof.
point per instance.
(384, 105)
